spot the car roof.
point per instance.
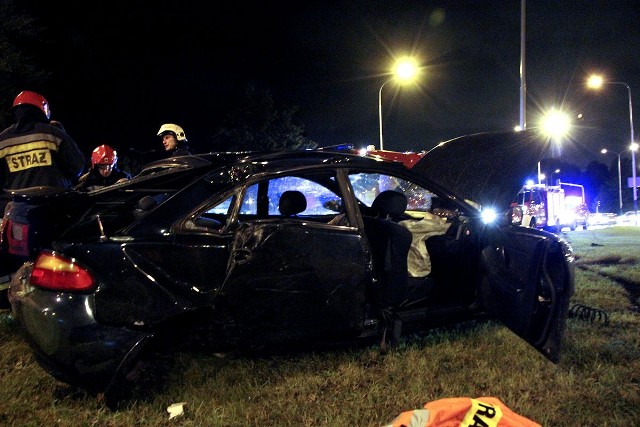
(173, 174)
(228, 158)
(202, 163)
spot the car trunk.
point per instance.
(486, 168)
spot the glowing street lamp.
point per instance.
(405, 71)
(555, 124)
(595, 82)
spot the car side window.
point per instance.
(319, 198)
(367, 186)
(250, 201)
(261, 201)
(221, 208)
(213, 218)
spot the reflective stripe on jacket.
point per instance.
(44, 156)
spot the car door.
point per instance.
(295, 276)
(527, 275)
(526, 282)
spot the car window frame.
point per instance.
(238, 195)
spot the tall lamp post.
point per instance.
(596, 82)
(605, 151)
(404, 71)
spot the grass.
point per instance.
(597, 382)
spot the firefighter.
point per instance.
(104, 170)
(35, 153)
(174, 140)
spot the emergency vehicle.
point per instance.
(552, 207)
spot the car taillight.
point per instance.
(17, 237)
(59, 273)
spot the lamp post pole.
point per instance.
(405, 71)
(595, 82)
(605, 151)
(619, 183)
(633, 155)
(380, 112)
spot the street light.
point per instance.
(404, 71)
(554, 124)
(595, 82)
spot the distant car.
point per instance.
(628, 218)
(602, 219)
(237, 250)
(581, 218)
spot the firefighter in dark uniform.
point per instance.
(35, 153)
(104, 170)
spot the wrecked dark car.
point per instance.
(243, 250)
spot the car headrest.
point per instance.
(390, 204)
(292, 203)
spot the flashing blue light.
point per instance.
(339, 147)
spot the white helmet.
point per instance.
(176, 130)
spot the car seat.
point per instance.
(390, 243)
(391, 205)
(292, 203)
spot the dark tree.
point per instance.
(19, 35)
(255, 123)
(598, 185)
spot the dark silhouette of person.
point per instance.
(33, 152)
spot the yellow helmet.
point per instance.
(176, 130)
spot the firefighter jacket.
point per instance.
(180, 150)
(93, 180)
(42, 156)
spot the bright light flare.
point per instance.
(556, 123)
(573, 201)
(488, 215)
(595, 81)
(406, 70)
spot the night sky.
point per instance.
(126, 67)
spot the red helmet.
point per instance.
(35, 99)
(103, 155)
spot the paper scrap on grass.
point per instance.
(176, 409)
